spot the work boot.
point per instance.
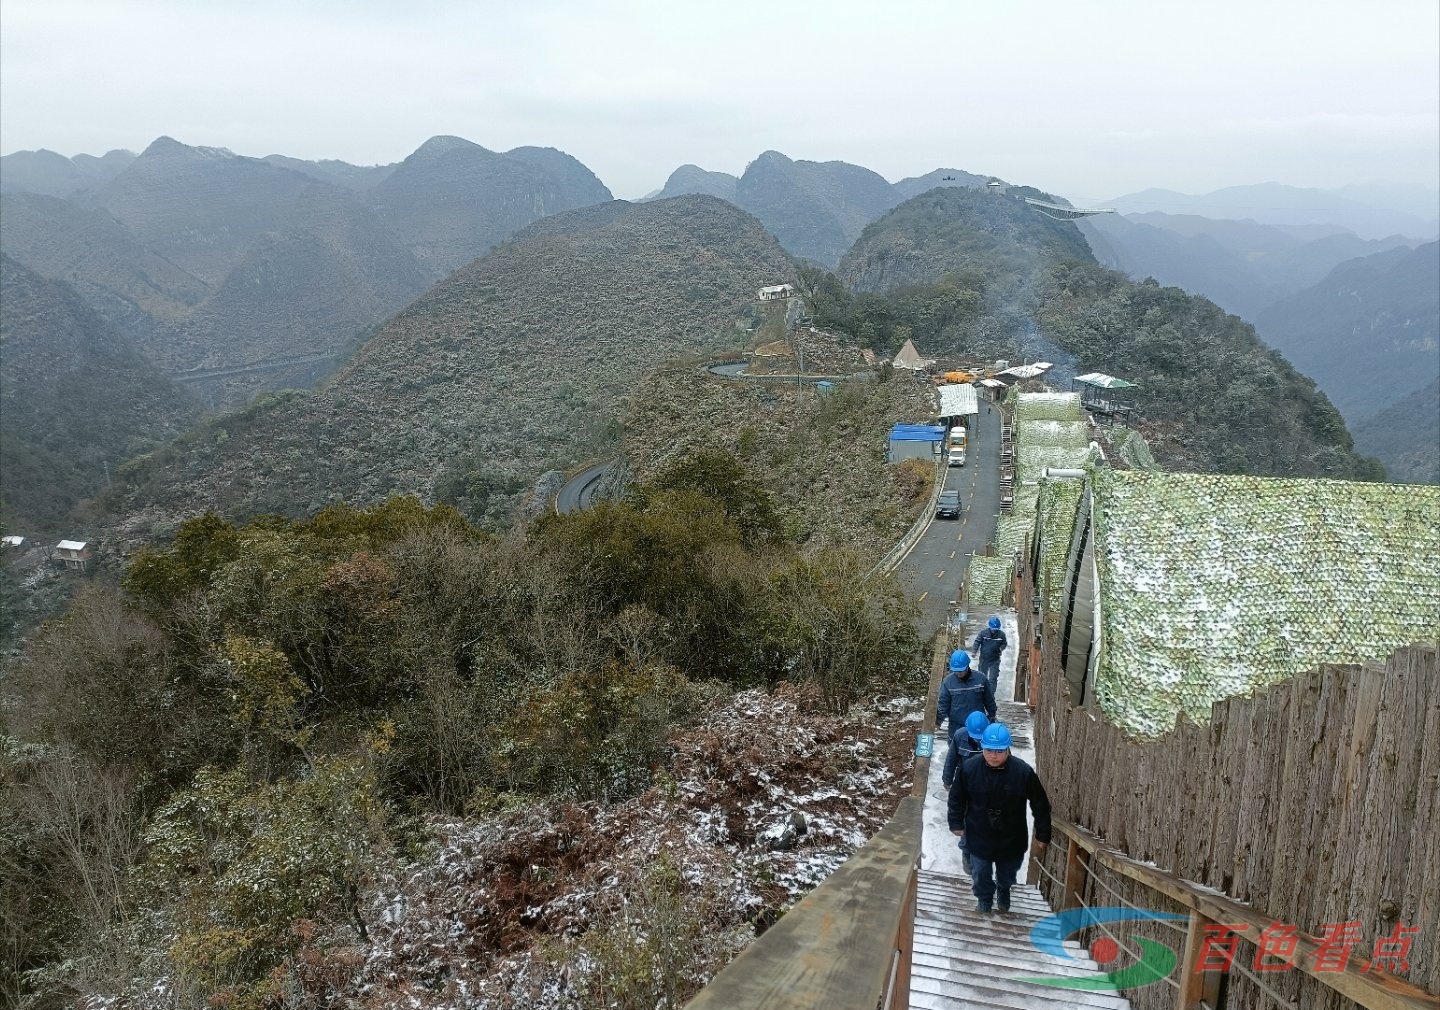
(1002, 900)
(983, 907)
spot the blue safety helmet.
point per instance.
(995, 737)
(994, 624)
(959, 660)
(975, 724)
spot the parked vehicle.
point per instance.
(957, 456)
(947, 506)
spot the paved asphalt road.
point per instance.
(579, 491)
(934, 569)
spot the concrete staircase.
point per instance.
(965, 960)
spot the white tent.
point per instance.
(910, 358)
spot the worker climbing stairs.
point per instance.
(964, 959)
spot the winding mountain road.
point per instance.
(579, 491)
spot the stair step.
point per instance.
(1004, 960)
(978, 984)
(957, 888)
(992, 998)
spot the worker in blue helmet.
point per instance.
(987, 812)
(961, 692)
(988, 645)
(964, 743)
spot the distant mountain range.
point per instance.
(1277, 204)
(1242, 266)
(816, 209)
(245, 274)
(1368, 333)
(239, 275)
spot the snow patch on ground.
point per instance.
(761, 802)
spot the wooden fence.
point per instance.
(1316, 802)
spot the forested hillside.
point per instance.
(974, 276)
(1213, 397)
(970, 234)
(295, 755)
(511, 366)
(1405, 436)
(75, 398)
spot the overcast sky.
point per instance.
(1085, 99)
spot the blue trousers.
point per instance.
(987, 874)
(991, 672)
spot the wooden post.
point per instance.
(905, 943)
(1198, 989)
(1077, 872)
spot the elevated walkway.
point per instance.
(963, 959)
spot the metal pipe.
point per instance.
(1063, 473)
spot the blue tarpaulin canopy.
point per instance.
(917, 433)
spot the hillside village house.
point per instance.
(776, 291)
(12, 541)
(75, 555)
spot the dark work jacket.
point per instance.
(989, 805)
(962, 746)
(990, 643)
(958, 698)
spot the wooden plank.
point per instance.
(1234, 745)
(1421, 901)
(1406, 672)
(1290, 844)
(1346, 891)
(1197, 987)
